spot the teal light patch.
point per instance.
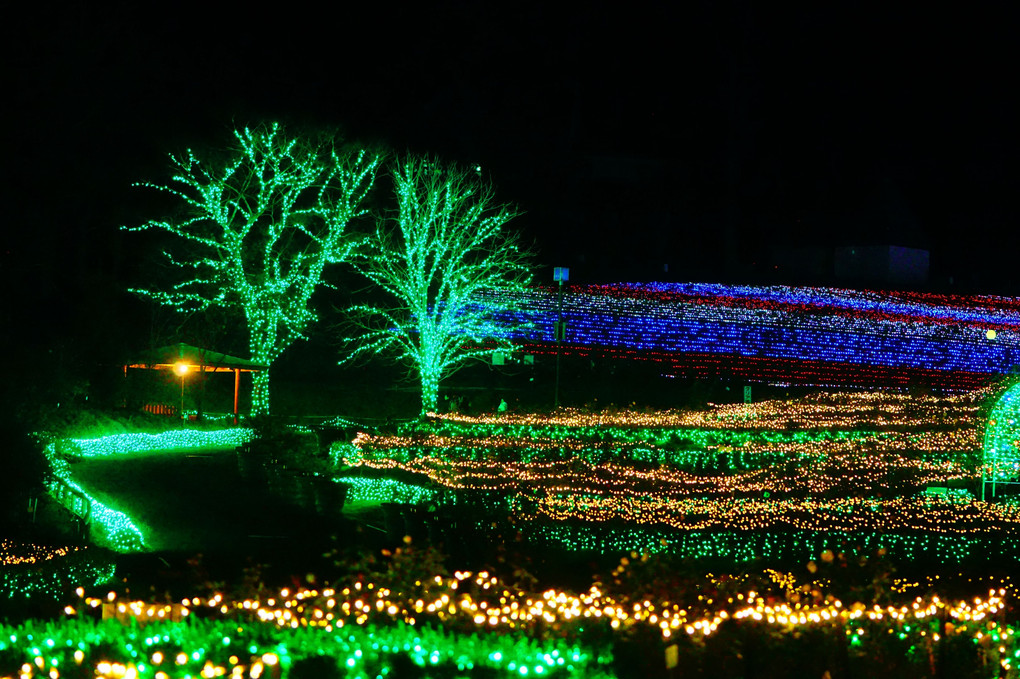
(385, 490)
(178, 439)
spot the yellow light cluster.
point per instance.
(973, 582)
(139, 611)
(17, 553)
(820, 411)
(849, 472)
(482, 600)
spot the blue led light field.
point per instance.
(782, 334)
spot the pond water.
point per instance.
(216, 501)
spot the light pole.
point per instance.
(182, 370)
(560, 274)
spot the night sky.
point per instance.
(682, 141)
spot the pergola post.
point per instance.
(237, 388)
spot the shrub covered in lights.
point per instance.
(173, 440)
(1002, 437)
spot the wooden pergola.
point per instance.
(184, 358)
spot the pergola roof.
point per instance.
(196, 358)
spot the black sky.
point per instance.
(698, 135)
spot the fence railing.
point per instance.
(160, 409)
(72, 499)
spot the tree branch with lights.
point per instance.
(262, 227)
(442, 259)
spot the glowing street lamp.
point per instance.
(560, 274)
(181, 369)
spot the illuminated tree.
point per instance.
(261, 228)
(442, 257)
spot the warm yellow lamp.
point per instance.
(181, 369)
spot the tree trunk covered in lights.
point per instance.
(450, 270)
(260, 392)
(430, 390)
(262, 226)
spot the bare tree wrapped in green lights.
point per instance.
(443, 256)
(262, 226)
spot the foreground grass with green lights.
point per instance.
(108, 648)
(404, 613)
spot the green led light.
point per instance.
(356, 648)
(745, 547)
(265, 224)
